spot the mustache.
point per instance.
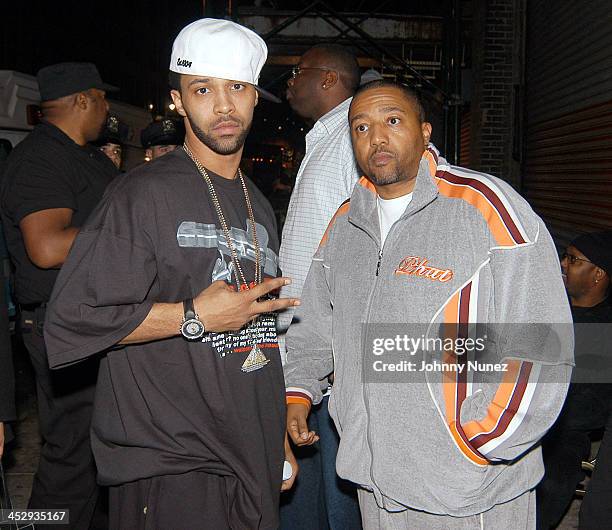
(381, 151)
(226, 120)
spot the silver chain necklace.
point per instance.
(256, 359)
(224, 226)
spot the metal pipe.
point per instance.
(364, 35)
(290, 21)
(363, 18)
(335, 26)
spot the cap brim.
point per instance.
(107, 88)
(268, 96)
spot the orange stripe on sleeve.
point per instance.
(449, 382)
(502, 235)
(498, 405)
(465, 448)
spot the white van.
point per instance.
(19, 99)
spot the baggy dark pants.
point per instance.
(66, 474)
(566, 445)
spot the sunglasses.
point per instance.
(573, 259)
(297, 70)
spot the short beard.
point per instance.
(384, 180)
(222, 147)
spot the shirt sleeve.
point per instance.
(309, 339)
(502, 420)
(107, 286)
(350, 169)
(38, 186)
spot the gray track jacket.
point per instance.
(468, 249)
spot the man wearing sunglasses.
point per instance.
(586, 266)
(319, 90)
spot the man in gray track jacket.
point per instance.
(436, 297)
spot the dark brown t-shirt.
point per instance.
(172, 406)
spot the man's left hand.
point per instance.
(289, 457)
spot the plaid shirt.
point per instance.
(325, 180)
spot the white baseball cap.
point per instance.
(219, 48)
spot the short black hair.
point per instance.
(408, 92)
(343, 60)
(174, 80)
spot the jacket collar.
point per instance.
(363, 212)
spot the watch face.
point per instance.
(192, 329)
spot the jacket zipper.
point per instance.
(366, 400)
(380, 256)
(364, 391)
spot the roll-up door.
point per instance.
(567, 166)
(464, 140)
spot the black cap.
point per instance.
(163, 132)
(63, 79)
(114, 132)
(597, 247)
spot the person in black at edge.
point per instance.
(586, 266)
(52, 181)
(166, 278)
(161, 137)
(7, 374)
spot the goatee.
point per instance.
(222, 146)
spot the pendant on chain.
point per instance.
(255, 360)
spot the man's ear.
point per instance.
(331, 78)
(81, 100)
(149, 154)
(600, 274)
(178, 102)
(256, 97)
(426, 130)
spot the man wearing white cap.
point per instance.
(167, 281)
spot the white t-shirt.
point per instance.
(389, 211)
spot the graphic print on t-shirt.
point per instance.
(201, 235)
(262, 332)
(193, 234)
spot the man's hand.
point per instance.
(219, 307)
(222, 309)
(297, 425)
(2, 439)
(289, 457)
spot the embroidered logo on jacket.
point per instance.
(417, 266)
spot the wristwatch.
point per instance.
(192, 327)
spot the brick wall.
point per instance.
(497, 66)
